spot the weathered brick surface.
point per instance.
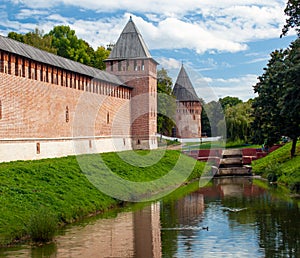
(143, 101)
(188, 119)
(35, 109)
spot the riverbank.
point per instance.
(278, 167)
(60, 187)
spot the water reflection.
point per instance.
(233, 217)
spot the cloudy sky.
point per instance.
(224, 44)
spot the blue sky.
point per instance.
(224, 44)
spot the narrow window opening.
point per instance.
(138, 142)
(90, 144)
(135, 65)
(143, 65)
(67, 114)
(38, 148)
(0, 109)
(107, 118)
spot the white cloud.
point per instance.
(225, 26)
(169, 63)
(214, 88)
(29, 13)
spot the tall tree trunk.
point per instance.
(293, 150)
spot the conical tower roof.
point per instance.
(183, 89)
(130, 44)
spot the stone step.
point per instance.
(232, 152)
(231, 161)
(240, 171)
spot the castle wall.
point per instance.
(49, 112)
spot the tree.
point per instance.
(292, 10)
(100, 55)
(35, 39)
(61, 40)
(215, 115)
(166, 104)
(238, 121)
(229, 102)
(205, 125)
(69, 46)
(277, 108)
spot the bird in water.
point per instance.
(234, 209)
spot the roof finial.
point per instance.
(130, 19)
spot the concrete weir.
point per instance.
(231, 164)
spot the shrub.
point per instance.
(42, 226)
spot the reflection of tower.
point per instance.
(131, 61)
(147, 239)
(188, 115)
(189, 208)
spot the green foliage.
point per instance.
(42, 226)
(279, 166)
(238, 121)
(216, 118)
(205, 124)
(277, 107)
(292, 10)
(166, 103)
(229, 102)
(35, 39)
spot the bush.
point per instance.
(295, 187)
(42, 226)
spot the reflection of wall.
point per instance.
(104, 238)
(130, 234)
(190, 207)
(147, 232)
(232, 190)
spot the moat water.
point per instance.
(232, 217)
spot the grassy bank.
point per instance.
(279, 167)
(61, 188)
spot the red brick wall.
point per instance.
(35, 109)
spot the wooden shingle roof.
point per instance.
(130, 44)
(35, 54)
(183, 89)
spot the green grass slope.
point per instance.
(278, 166)
(60, 186)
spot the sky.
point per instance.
(223, 44)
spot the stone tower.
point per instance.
(131, 61)
(188, 107)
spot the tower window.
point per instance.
(143, 65)
(135, 65)
(107, 117)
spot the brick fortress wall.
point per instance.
(50, 112)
